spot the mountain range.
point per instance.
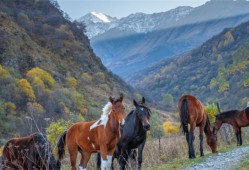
(133, 43)
(217, 71)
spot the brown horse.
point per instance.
(192, 112)
(236, 118)
(32, 152)
(90, 137)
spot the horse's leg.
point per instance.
(189, 146)
(73, 151)
(240, 137)
(201, 140)
(192, 138)
(85, 156)
(123, 160)
(140, 154)
(236, 129)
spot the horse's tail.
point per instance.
(61, 145)
(98, 161)
(184, 114)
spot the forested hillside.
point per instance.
(48, 69)
(217, 71)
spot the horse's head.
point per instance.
(212, 142)
(118, 109)
(143, 113)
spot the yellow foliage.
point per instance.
(170, 128)
(86, 77)
(246, 83)
(228, 38)
(211, 110)
(223, 87)
(37, 108)
(4, 73)
(10, 108)
(213, 83)
(26, 89)
(71, 82)
(1, 151)
(100, 75)
(37, 73)
(55, 129)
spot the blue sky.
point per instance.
(122, 8)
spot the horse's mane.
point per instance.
(227, 114)
(107, 109)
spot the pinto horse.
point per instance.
(236, 118)
(32, 152)
(90, 137)
(133, 134)
(192, 112)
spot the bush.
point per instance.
(211, 110)
(71, 82)
(26, 90)
(9, 108)
(39, 75)
(168, 99)
(170, 128)
(55, 129)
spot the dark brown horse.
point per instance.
(236, 118)
(90, 137)
(192, 113)
(32, 152)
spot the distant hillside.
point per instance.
(48, 69)
(217, 71)
(145, 39)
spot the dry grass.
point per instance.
(173, 151)
(1, 150)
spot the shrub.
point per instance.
(37, 73)
(170, 128)
(26, 89)
(10, 108)
(168, 99)
(55, 129)
(211, 110)
(71, 82)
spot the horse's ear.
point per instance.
(111, 99)
(143, 100)
(135, 103)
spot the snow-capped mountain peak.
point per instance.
(98, 23)
(101, 16)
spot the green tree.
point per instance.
(168, 99)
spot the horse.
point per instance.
(236, 118)
(90, 137)
(192, 112)
(32, 152)
(133, 134)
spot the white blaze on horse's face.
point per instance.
(122, 122)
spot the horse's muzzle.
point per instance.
(147, 127)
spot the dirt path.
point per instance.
(222, 161)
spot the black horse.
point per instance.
(133, 135)
(32, 152)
